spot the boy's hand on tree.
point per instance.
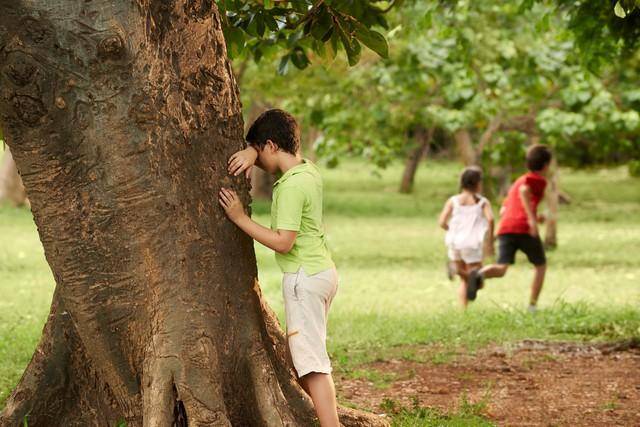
(231, 204)
(242, 160)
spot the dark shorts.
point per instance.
(508, 245)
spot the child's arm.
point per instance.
(444, 215)
(280, 241)
(525, 197)
(488, 214)
(243, 160)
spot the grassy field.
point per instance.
(393, 292)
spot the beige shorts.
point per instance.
(306, 304)
(469, 256)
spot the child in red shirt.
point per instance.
(519, 226)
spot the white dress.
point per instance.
(467, 228)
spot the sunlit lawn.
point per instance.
(390, 255)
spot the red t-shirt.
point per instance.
(514, 218)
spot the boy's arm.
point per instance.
(280, 241)
(525, 197)
(243, 160)
(444, 215)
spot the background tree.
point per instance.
(121, 116)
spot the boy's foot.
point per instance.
(451, 270)
(473, 284)
(532, 309)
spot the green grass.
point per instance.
(469, 414)
(393, 293)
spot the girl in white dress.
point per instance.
(468, 219)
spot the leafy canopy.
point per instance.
(298, 27)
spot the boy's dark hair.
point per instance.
(278, 126)
(538, 156)
(470, 178)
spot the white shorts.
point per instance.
(306, 304)
(469, 256)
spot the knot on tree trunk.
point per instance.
(28, 109)
(111, 47)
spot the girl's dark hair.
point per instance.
(538, 156)
(470, 178)
(278, 126)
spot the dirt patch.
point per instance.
(531, 383)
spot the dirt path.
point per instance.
(529, 384)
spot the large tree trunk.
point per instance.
(120, 116)
(11, 188)
(464, 147)
(422, 138)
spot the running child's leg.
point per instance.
(462, 271)
(507, 247)
(533, 248)
(494, 270)
(463, 290)
(536, 285)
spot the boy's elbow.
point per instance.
(283, 247)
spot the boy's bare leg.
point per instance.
(323, 394)
(538, 280)
(494, 270)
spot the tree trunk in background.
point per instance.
(11, 188)
(464, 147)
(422, 138)
(553, 200)
(261, 184)
(308, 142)
(121, 117)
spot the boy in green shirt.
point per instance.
(296, 235)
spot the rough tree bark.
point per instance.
(422, 138)
(11, 188)
(120, 116)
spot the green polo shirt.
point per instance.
(297, 206)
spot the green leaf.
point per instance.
(299, 58)
(271, 22)
(268, 4)
(619, 10)
(284, 65)
(334, 41)
(234, 37)
(322, 25)
(351, 45)
(319, 48)
(373, 40)
(260, 27)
